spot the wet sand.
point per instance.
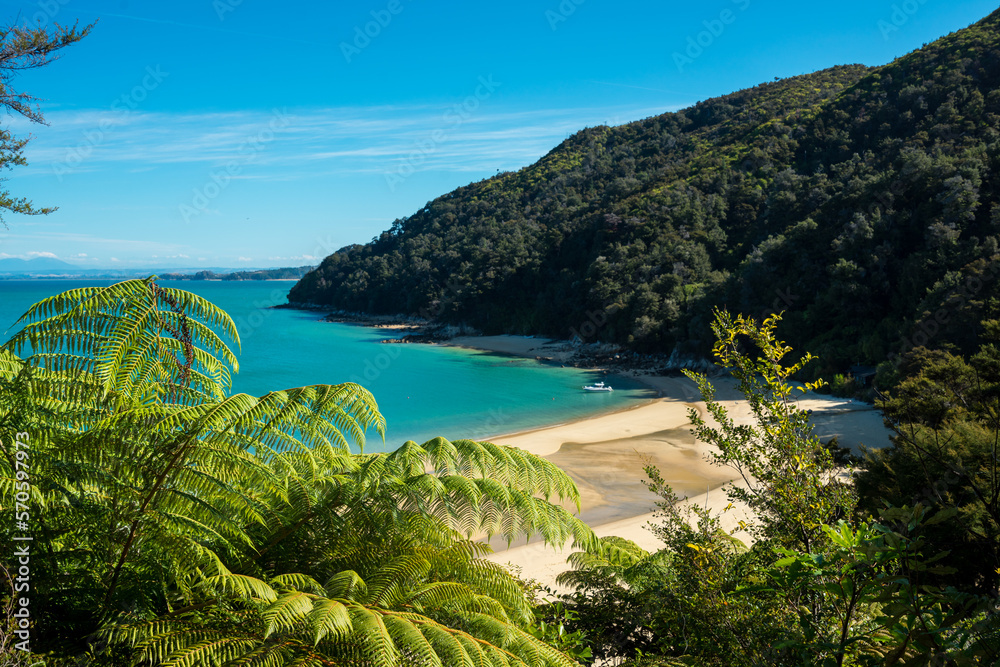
(522, 346)
(605, 455)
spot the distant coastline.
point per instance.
(26, 271)
(594, 355)
(287, 273)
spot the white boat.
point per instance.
(598, 386)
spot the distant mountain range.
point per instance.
(18, 265)
(861, 201)
(13, 268)
(290, 273)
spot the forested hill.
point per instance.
(862, 201)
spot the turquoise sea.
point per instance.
(423, 390)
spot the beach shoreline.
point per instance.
(608, 357)
(606, 454)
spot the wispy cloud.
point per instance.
(314, 142)
(293, 258)
(163, 161)
(110, 244)
(32, 254)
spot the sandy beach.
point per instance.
(605, 455)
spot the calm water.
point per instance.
(423, 390)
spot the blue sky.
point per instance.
(244, 133)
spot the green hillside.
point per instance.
(862, 201)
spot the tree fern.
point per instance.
(195, 526)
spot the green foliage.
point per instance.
(24, 48)
(843, 386)
(862, 200)
(551, 628)
(181, 524)
(612, 607)
(680, 605)
(817, 587)
(789, 475)
(859, 601)
(945, 417)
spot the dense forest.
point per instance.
(158, 518)
(155, 517)
(860, 201)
